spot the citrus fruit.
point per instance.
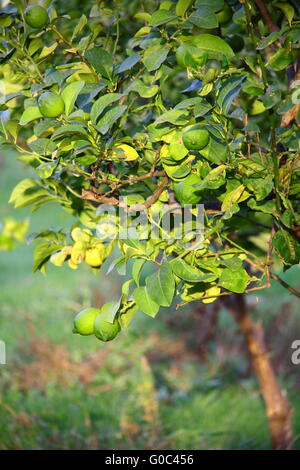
(195, 137)
(94, 256)
(104, 330)
(84, 321)
(36, 16)
(225, 15)
(51, 104)
(185, 191)
(236, 42)
(212, 70)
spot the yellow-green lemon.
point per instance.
(104, 330)
(36, 16)
(84, 321)
(51, 104)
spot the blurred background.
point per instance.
(182, 381)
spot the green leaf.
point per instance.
(42, 146)
(232, 197)
(230, 88)
(42, 254)
(137, 268)
(30, 114)
(102, 103)
(204, 17)
(281, 59)
(145, 91)
(127, 316)
(213, 45)
(47, 50)
(27, 192)
(101, 60)
(234, 280)
(144, 302)
(216, 150)
(69, 129)
(129, 62)
(189, 102)
(182, 6)
(286, 247)
(287, 9)
(80, 25)
(214, 179)
(70, 94)
(45, 170)
(110, 310)
(261, 187)
(215, 5)
(161, 17)
(110, 117)
(177, 117)
(154, 56)
(202, 108)
(189, 273)
(19, 4)
(268, 40)
(161, 285)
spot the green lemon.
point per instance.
(36, 16)
(104, 330)
(225, 15)
(185, 192)
(51, 104)
(236, 42)
(195, 137)
(84, 321)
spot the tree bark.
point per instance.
(278, 410)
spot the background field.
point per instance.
(176, 382)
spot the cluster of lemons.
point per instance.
(96, 321)
(85, 248)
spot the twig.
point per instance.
(266, 16)
(275, 278)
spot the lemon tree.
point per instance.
(138, 111)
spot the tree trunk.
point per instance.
(278, 410)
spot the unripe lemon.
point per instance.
(236, 42)
(94, 256)
(104, 330)
(84, 321)
(195, 137)
(36, 16)
(51, 104)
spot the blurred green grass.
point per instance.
(148, 389)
